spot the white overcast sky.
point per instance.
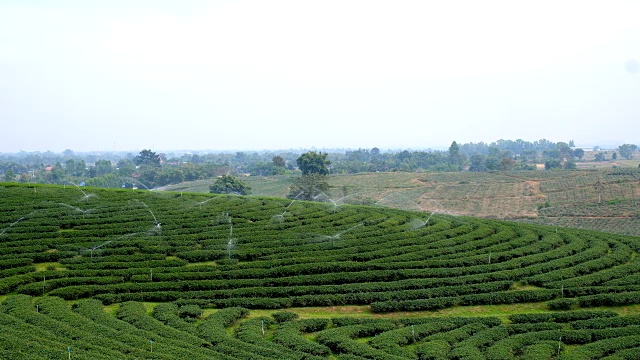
(251, 75)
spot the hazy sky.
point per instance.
(173, 75)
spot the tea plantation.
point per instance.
(120, 274)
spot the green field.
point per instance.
(114, 274)
(545, 197)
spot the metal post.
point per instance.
(559, 344)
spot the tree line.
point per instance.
(158, 169)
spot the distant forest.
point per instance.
(148, 169)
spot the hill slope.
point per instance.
(558, 198)
(192, 252)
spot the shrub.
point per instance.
(282, 316)
(562, 304)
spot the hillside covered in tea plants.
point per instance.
(113, 274)
(604, 199)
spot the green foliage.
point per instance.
(229, 184)
(552, 164)
(265, 169)
(9, 175)
(456, 159)
(147, 157)
(626, 150)
(278, 161)
(562, 304)
(313, 163)
(282, 316)
(190, 311)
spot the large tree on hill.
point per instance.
(313, 162)
(313, 182)
(229, 184)
(147, 157)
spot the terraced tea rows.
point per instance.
(193, 251)
(47, 327)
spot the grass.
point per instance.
(203, 263)
(149, 306)
(48, 266)
(519, 286)
(463, 311)
(110, 309)
(499, 311)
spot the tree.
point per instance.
(614, 156)
(147, 157)
(455, 158)
(126, 167)
(600, 157)
(552, 164)
(103, 167)
(507, 164)
(626, 150)
(70, 167)
(491, 163)
(278, 161)
(9, 175)
(312, 162)
(565, 152)
(229, 184)
(81, 168)
(57, 174)
(530, 156)
(579, 153)
(552, 154)
(75, 168)
(477, 163)
(307, 187)
(67, 154)
(599, 187)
